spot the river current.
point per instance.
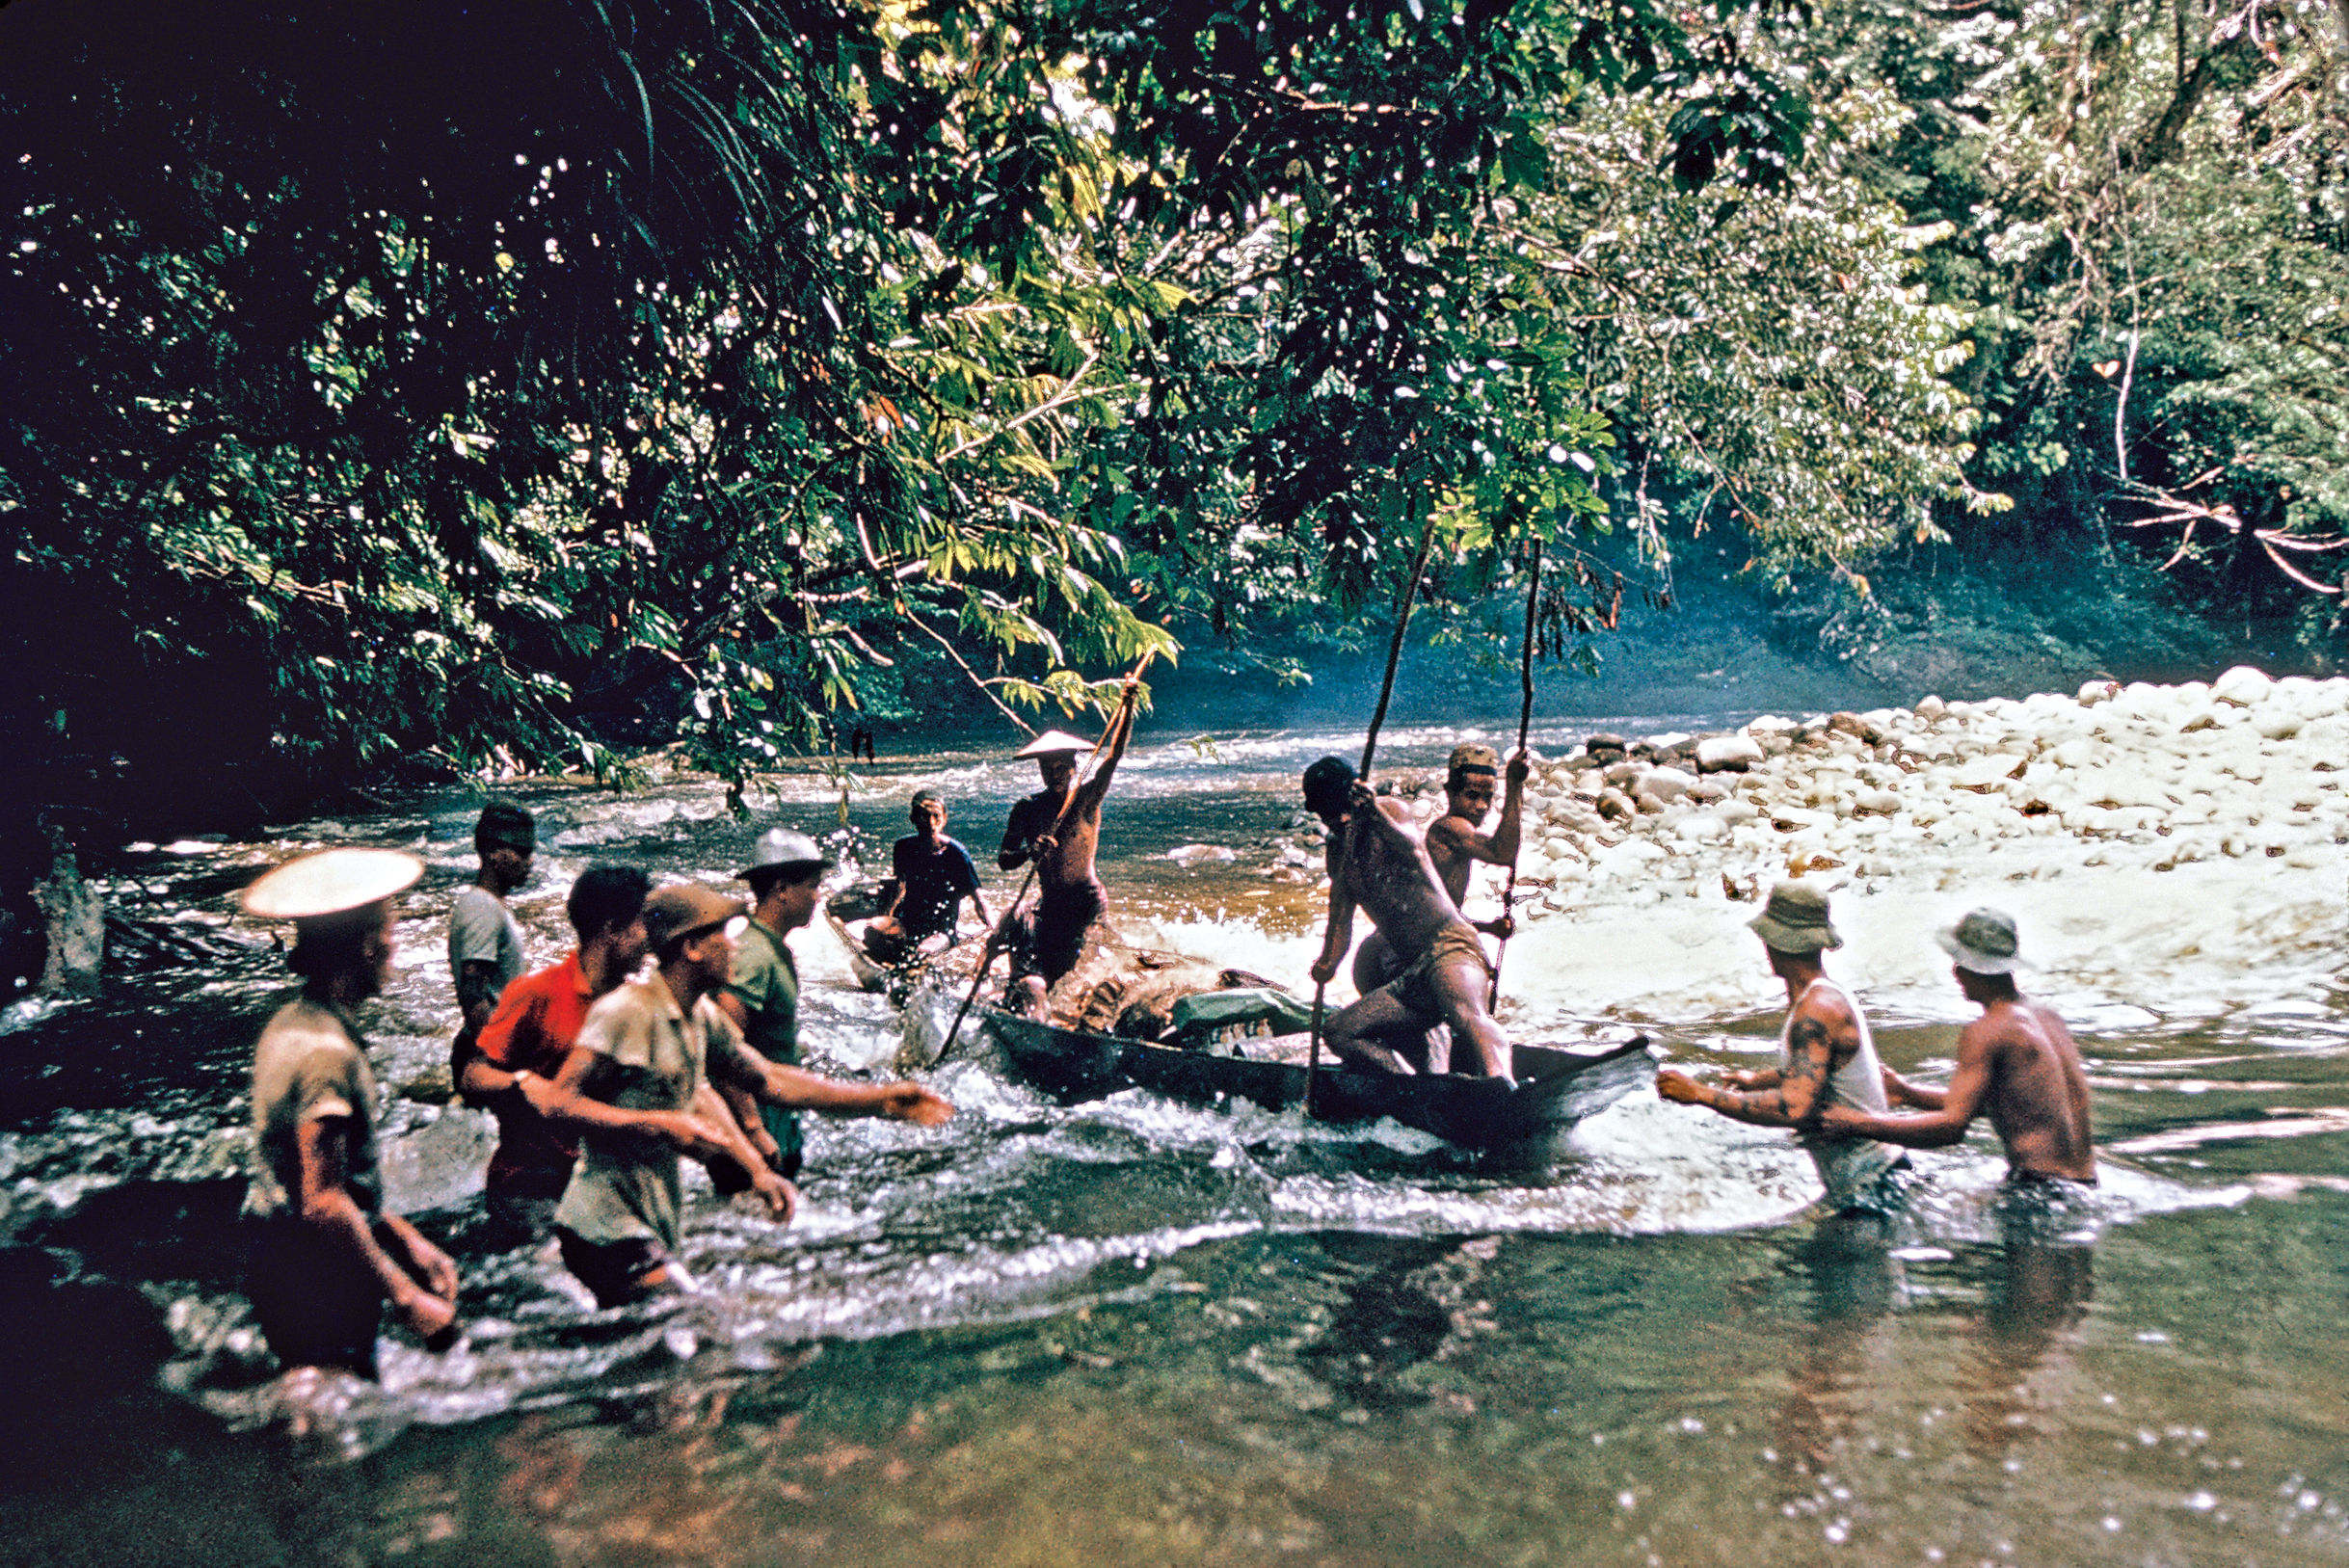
(1133, 1331)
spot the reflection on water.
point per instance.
(1141, 1332)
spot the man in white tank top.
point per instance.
(1826, 1057)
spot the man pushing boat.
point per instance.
(1375, 863)
(1059, 831)
(1456, 842)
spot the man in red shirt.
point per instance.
(526, 1040)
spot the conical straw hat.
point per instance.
(1054, 743)
(331, 881)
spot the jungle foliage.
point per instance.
(538, 381)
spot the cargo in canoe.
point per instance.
(1519, 1124)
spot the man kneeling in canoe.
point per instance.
(1377, 864)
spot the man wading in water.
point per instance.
(636, 1086)
(324, 1254)
(2016, 1061)
(768, 1088)
(1375, 863)
(530, 1036)
(1456, 841)
(485, 942)
(1826, 1057)
(1046, 941)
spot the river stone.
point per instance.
(1877, 803)
(2274, 722)
(1666, 785)
(2241, 687)
(1595, 744)
(2098, 691)
(1727, 754)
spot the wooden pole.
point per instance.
(1370, 749)
(986, 957)
(1525, 725)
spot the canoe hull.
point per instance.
(1525, 1122)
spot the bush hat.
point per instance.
(780, 848)
(686, 909)
(1984, 942)
(1472, 756)
(330, 882)
(1796, 920)
(1054, 743)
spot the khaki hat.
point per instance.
(1475, 755)
(1983, 942)
(781, 846)
(1796, 920)
(1054, 743)
(330, 882)
(681, 909)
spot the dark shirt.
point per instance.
(932, 886)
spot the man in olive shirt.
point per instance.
(324, 1254)
(785, 876)
(636, 1087)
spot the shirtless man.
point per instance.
(1456, 842)
(2016, 1062)
(1046, 940)
(1826, 1057)
(1377, 864)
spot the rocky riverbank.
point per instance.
(2163, 844)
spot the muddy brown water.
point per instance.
(1139, 1332)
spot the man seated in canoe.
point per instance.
(2016, 1062)
(1375, 863)
(1456, 841)
(1060, 830)
(930, 875)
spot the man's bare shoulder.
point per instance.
(1451, 832)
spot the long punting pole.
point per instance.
(986, 957)
(1370, 749)
(1525, 725)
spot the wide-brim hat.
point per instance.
(1056, 743)
(1984, 942)
(330, 882)
(1795, 920)
(779, 847)
(683, 907)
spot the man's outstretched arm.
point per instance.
(1121, 730)
(1936, 1128)
(1795, 1097)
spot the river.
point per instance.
(1136, 1332)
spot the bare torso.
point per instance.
(1391, 879)
(2037, 1097)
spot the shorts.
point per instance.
(2045, 1209)
(522, 1203)
(1415, 986)
(317, 1305)
(615, 1270)
(1051, 940)
(1888, 1195)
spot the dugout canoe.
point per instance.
(1513, 1123)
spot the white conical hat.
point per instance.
(1054, 743)
(331, 881)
